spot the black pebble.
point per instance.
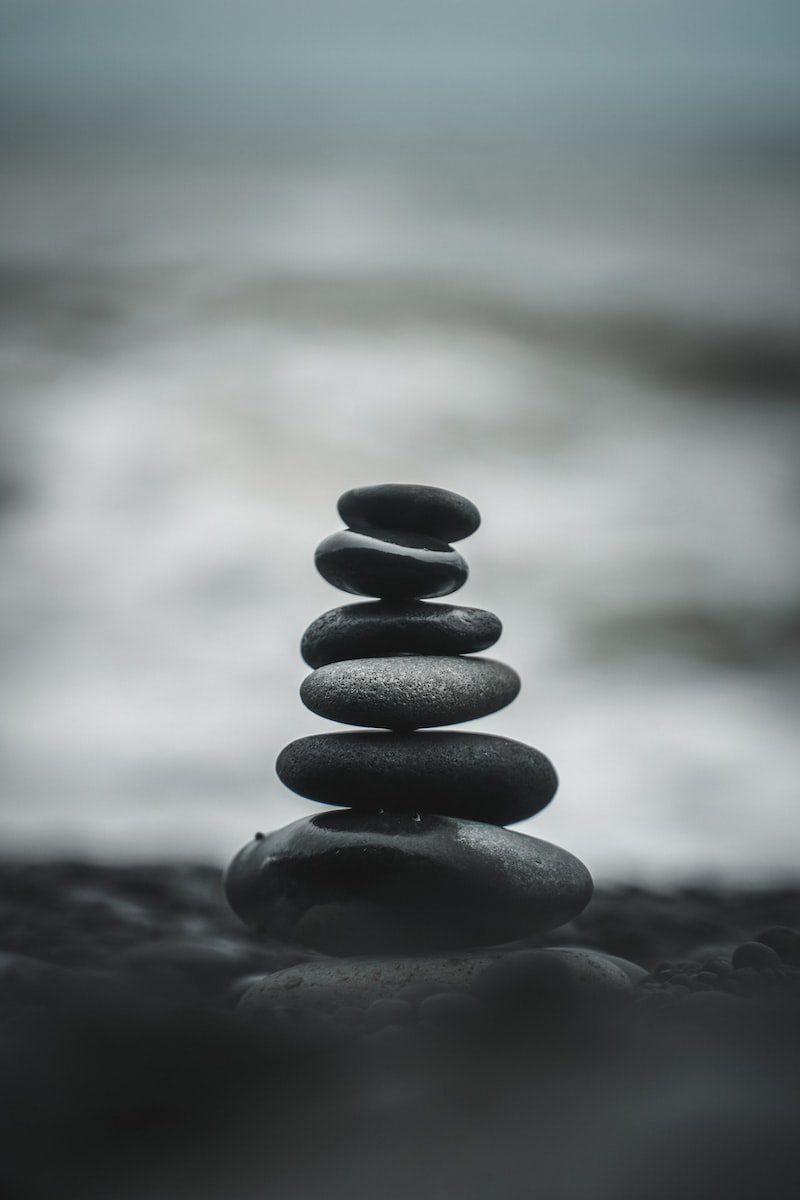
(379, 627)
(414, 507)
(363, 883)
(477, 776)
(409, 691)
(392, 566)
(754, 954)
(782, 940)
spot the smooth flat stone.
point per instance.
(368, 883)
(409, 691)
(413, 507)
(379, 627)
(473, 775)
(393, 566)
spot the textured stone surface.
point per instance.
(754, 954)
(409, 691)
(473, 775)
(330, 983)
(393, 566)
(367, 883)
(379, 627)
(632, 970)
(414, 507)
(524, 977)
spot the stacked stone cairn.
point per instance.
(417, 859)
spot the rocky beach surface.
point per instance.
(664, 1059)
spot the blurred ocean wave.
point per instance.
(206, 341)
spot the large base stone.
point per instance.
(365, 883)
(325, 985)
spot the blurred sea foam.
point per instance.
(544, 255)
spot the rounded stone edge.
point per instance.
(251, 862)
(509, 816)
(358, 718)
(382, 548)
(464, 514)
(322, 630)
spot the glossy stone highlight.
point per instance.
(380, 627)
(412, 507)
(366, 883)
(393, 566)
(409, 691)
(473, 775)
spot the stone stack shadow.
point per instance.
(418, 859)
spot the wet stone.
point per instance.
(413, 507)
(392, 566)
(477, 776)
(395, 990)
(409, 691)
(379, 628)
(754, 954)
(782, 940)
(367, 883)
(526, 979)
(364, 982)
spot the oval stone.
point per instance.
(393, 566)
(379, 627)
(519, 979)
(474, 775)
(413, 507)
(409, 691)
(327, 984)
(368, 883)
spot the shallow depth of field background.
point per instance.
(254, 253)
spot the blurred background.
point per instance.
(545, 254)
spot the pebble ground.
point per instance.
(128, 1074)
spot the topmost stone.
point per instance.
(411, 508)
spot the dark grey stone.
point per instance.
(519, 983)
(595, 970)
(367, 883)
(754, 954)
(634, 972)
(379, 627)
(409, 691)
(393, 566)
(414, 507)
(473, 775)
(782, 940)
(367, 983)
(328, 984)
